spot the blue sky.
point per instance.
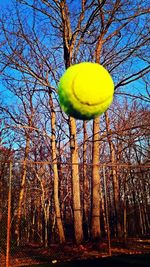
(4, 2)
(138, 86)
(133, 88)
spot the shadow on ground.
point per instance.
(115, 261)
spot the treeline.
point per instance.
(124, 155)
(62, 168)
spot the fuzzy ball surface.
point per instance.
(85, 90)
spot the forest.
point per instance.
(71, 180)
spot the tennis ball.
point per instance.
(85, 90)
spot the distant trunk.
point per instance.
(46, 219)
(22, 191)
(144, 203)
(95, 222)
(33, 225)
(134, 199)
(115, 178)
(86, 188)
(75, 183)
(143, 215)
(103, 212)
(45, 208)
(56, 178)
(125, 211)
(39, 225)
(143, 200)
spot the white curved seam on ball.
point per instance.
(85, 103)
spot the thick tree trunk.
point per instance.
(68, 48)
(95, 222)
(75, 183)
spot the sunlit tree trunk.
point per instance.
(95, 221)
(68, 46)
(75, 183)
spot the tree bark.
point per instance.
(115, 178)
(125, 211)
(75, 183)
(56, 177)
(95, 222)
(86, 187)
(22, 191)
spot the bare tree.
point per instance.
(55, 169)
(35, 52)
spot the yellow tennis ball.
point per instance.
(85, 90)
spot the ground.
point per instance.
(35, 254)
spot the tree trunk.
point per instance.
(103, 212)
(39, 225)
(22, 191)
(95, 222)
(86, 187)
(125, 211)
(115, 178)
(75, 183)
(141, 220)
(45, 209)
(56, 178)
(68, 48)
(46, 218)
